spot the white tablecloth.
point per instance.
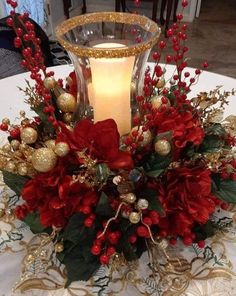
(219, 254)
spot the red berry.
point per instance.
(110, 251)
(104, 259)
(154, 216)
(170, 32)
(184, 3)
(132, 239)
(147, 221)
(201, 244)
(179, 16)
(162, 44)
(96, 250)
(88, 222)
(112, 237)
(197, 71)
(186, 74)
(142, 231)
(4, 127)
(155, 56)
(173, 241)
(224, 206)
(224, 175)
(10, 22)
(187, 240)
(86, 210)
(15, 133)
(192, 80)
(205, 65)
(168, 58)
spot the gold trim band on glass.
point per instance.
(114, 17)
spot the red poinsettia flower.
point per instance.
(56, 197)
(187, 199)
(101, 140)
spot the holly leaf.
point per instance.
(204, 231)
(33, 221)
(215, 129)
(211, 143)
(103, 206)
(78, 267)
(224, 189)
(154, 164)
(14, 182)
(75, 230)
(153, 202)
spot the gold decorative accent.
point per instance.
(114, 17)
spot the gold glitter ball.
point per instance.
(66, 102)
(29, 135)
(161, 83)
(134, 217)
(49, 83)
(22, 169)
(10, 167)
(62, 149)
(67, 117)
(44, 160)
(15, 144)
(59, 247)
(6, 148)
(162, 147)
(6, 120)
(50, 144)
(128, 197)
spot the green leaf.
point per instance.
(33, 221)
(48, 127)
(14, 182)
(75, 230)
(153, 202)
(154, 174)
(224, 189)
(103, 206)
(154, 162)
(78, 267)
(202, 232)
(215, 129)
(211, 143)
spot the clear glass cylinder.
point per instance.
(109, 51)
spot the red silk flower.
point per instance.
(101, 140)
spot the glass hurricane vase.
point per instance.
(109, 51)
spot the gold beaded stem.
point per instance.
(114, 17)
(112, 219)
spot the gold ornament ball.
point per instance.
(15, 144)
(67, 117)
(10, 167)
(62, 149)
(49, 83)
(128, 197)
(59, 247)
(156, 102)
(142, 204)
(50, 144)
(44, 160)
(162, 147)
(6, 148)
(134, 217)
(161, 83)
(66, 102)
(6, 120)
(22, 169)
(29, 135)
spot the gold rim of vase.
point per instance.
(114, 17)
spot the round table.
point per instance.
(219, 253)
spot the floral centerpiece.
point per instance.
(100, 195)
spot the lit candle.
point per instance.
(111, 82)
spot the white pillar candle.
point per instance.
(111, 82)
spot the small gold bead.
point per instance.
(49, 83)
(50, 144)
(10, 167)
(66, 102)
(23, 147)
(134, 217)
(128, 197)
(62, 149)
(161, 83)
(44, 159)
(6, 148)
(22, 113)
(163, 147)
(18, 154)
(30, 258)
(15, 144)
(59, 247)
(67, 117)
(6, 120)
(22, 169)
(29, 135)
